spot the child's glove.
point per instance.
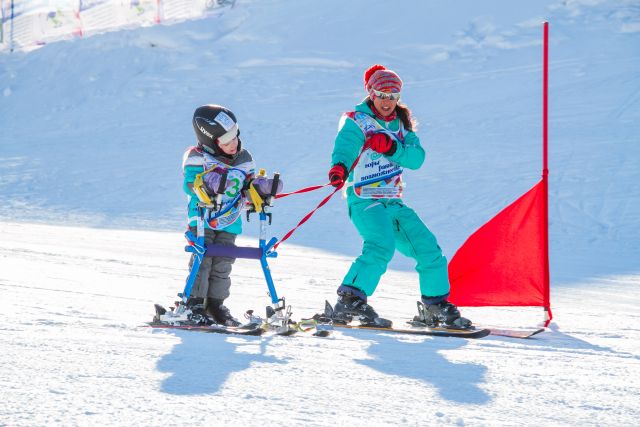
(212, 181)
(381, 143)
(263, 186)
(337, 174)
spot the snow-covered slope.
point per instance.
(92, 212)
(75, 352)
(94, 129)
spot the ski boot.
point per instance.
(219, 313)
(350, 305)
(442, 314)
(198, 314)
(190, 312)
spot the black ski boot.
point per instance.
(220, 314)
(198, 314)
(443, 315)
(350, 306)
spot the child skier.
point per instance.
(374, 199)
(218, 153)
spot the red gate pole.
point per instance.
(545, 170)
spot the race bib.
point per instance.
(232, 199)
(375, 176)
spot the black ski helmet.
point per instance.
(212, 123)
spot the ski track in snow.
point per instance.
(75, 351)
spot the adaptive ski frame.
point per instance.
(265, 250)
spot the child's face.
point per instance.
(231, 147)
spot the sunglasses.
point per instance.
(384, 95)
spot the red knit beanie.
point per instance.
(379, 78)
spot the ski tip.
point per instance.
(537, 331)
(321, 333)
(481, 333)
(515, 333)
(328, 309)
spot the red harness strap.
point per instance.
(323, 202)
(302, 190)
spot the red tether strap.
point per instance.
(323, 202)
(302, 190)
(307, 216)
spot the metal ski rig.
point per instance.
(278, 314)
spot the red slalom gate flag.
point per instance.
(505, 262)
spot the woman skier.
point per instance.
(381, 131)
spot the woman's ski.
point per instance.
(438, 332)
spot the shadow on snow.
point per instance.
(422, 361)
(554, 340)
(202, 362)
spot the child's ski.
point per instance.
(251, 329)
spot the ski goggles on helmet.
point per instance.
(229, 136)
(384, 95)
